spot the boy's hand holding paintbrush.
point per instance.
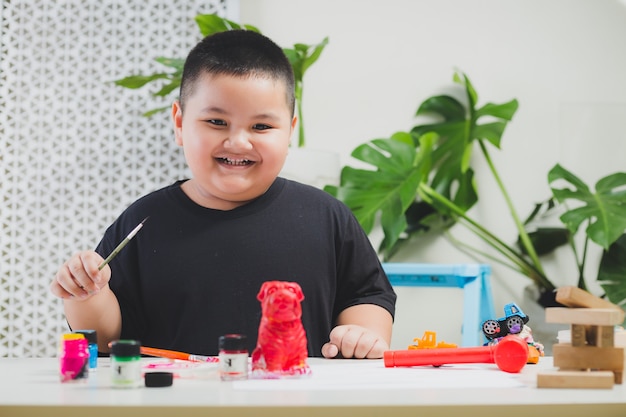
(83, 276)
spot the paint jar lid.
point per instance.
(90, 335)
(159, 379)
(232, 342)
(72, 336)
(125, 348)
(74, 345)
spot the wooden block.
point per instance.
(575, 379)
(600, 336)
(590, 316)
(571, 296)
(618, 376)
(571, 357)
(589, 335)
(578, 335)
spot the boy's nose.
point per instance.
(238, 140)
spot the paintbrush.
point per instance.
(122, 244)
(173, 354)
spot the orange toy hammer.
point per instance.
(510, 355)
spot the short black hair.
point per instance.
(239, 53)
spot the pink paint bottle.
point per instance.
(74, 358)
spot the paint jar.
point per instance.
(92, 343)
(126, 364)
(233, 355)
(73, 358)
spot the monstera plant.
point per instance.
(423, 181)
(301, 56)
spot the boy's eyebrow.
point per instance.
(215, 109)
(212, 109)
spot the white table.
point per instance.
(31, 387)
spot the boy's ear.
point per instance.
(177, 120)
(294, 122)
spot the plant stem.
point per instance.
(581, 263)
(471, 251)
(530, 249)
(581, 269)
(525, 267)
(301, 140)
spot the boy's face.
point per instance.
(235, 133)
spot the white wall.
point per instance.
(564, 60)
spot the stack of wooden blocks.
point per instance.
(591, 360)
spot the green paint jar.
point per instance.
(126, 364)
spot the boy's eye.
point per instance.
(261, 126)
(216, 122)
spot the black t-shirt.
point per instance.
(192, 274)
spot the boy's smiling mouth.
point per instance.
(234, 162)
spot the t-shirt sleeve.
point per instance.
(361, 277)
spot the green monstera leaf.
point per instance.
(212, 23)
(544, 239)
(389, 189)
(459, 127)
(138, 81)
(612, 272)
(445, 187)
(604, 210)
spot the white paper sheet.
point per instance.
(372, 374)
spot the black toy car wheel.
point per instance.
(491, 328)
(512, 321)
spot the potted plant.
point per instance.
(423, 181)
(301, 57)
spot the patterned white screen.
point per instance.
(74, 148)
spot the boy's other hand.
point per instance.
(79, 277)
(352, 341)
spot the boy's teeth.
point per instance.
(236, 161)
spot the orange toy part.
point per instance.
(281, 345)
(533, 355)
(429, 341)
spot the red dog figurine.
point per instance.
(281, 348)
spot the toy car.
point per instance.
(512, 323)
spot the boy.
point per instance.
(193, 271)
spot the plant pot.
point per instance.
(313, 167)
(534, 304)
